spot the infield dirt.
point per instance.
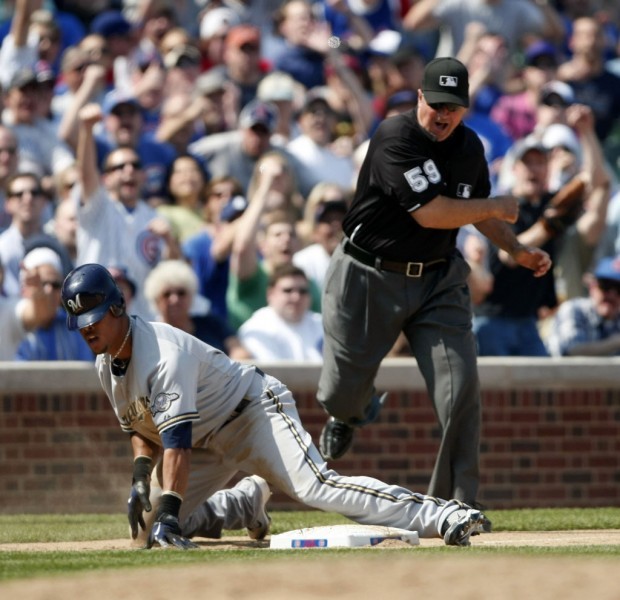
(372, 573)
(514, 539)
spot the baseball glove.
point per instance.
(564, 207)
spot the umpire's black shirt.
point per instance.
(403, 170)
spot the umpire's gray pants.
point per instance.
(364, 311)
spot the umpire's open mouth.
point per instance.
(440, 125)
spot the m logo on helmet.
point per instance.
(75, 305)
(448, 81)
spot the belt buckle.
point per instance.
(414, 269)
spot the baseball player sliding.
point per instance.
(182, 400)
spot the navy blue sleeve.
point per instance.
(178, 436)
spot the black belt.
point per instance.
(245, 402)
(410, 269)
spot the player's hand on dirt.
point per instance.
(507, 208)
(90, 114)
(533, 258)
(167, 533)
(137, 504)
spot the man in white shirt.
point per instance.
(327, 234)
(115, 225)
(312, 148)
(285, 329)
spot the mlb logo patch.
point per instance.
(448, 81)
(463, 190)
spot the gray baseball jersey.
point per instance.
(174, 378)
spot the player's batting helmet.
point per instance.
(88, 292)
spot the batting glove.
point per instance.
(137, 504)
(138, 501)
(166, 532)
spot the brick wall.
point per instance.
(551, 435)
(61, 453)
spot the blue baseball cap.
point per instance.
(401, 97)
(540, 50)
(258, 112)
(87, 293)
(608, 268)
(116, 98)
(110, 23)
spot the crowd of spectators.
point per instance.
(205, 151)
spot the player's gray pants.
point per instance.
(267, 439)
(364, 310)
(234, 508)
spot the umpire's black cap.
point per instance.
(88, 292)
(446, 80)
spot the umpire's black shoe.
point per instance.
(336, 438)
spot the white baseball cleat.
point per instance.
(462, 524)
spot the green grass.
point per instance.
(554, 519)
(71, 528)
(64, 528)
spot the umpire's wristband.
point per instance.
(169, 503)
(142, 468)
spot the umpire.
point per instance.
(398, 269)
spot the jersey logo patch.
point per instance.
(161, 403)
(463, 190)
